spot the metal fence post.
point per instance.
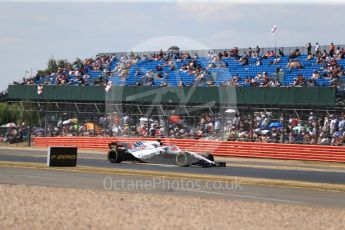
(222, 125)
(29, 136)
(284, 126)
(78, 123)
(194, 125)
(45, 124)
(251, 125)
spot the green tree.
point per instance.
(43, 72)
(52, 66)
(3, 96)
(62, 63)
(14, 113)
(10, 113)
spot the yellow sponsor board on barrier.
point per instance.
(62, 156)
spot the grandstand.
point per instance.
(199, 87)
(223, 74)
(177, 68)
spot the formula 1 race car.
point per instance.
(156, 152)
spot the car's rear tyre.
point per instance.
(208, 156)
(183, 159)
(114, 156)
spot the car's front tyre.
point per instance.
(114, 156)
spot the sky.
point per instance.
(31, 32)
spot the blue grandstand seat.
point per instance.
(95, 74)
(218, 75)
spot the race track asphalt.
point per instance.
(166, 186)
(232, 169)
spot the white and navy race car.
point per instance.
(156, 152)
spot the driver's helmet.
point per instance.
(160, 142)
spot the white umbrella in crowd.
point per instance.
(145, 119)
(231, 111)
(69, 121)
(9, 125)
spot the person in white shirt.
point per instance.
(333, 124)
(317, 48)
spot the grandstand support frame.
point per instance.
(97, 108)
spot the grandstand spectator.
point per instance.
(244, 61)
(184, 68)
(281, 53)
(315, 75)
(257, 51)
(235, 81)
(334, 81)
(272, 54)
(275, 61)
(310, 83)
(299, 81)
(185, 56)
(255, 81)
(294, 64)
(310, 57)
(159, 68)
(317, 49)
(250, 52)
(258, 61)
(234, 52)
(195, 56)
(160, 55)
(331, 49)
(275, 83)
(337, 54)
(342, 54)
(280, 73)
(266, 55)
(247, 82)
(266, 81)
(308, 48)
(324, 55)
(319, 60)
(294, 54)
(210, 55)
